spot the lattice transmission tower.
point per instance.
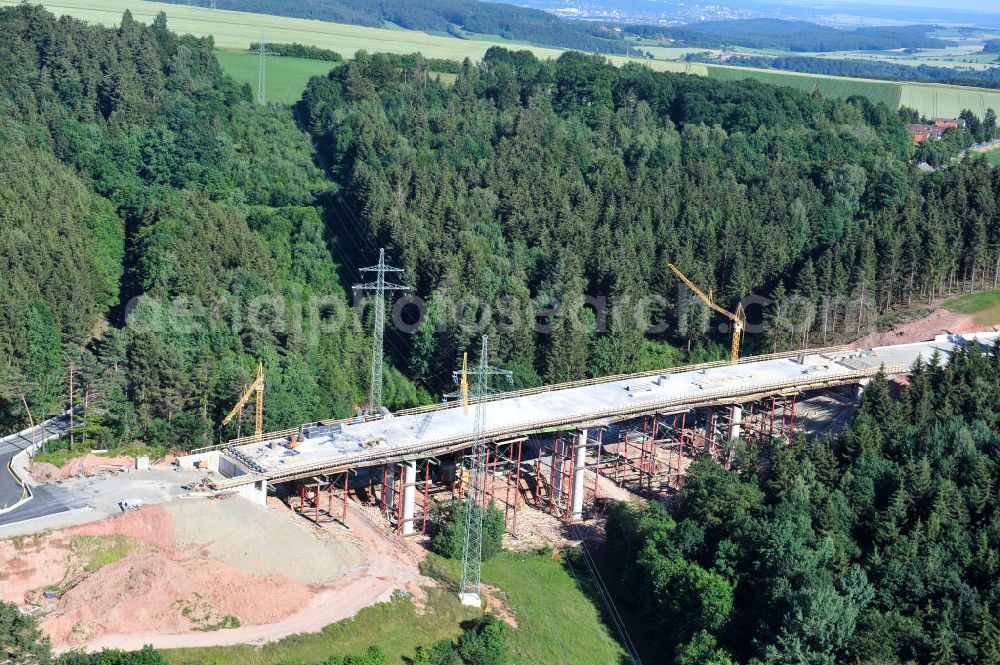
(378, 289)
(262, 54)
(475, 499)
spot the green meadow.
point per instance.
(285, 78)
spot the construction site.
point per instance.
(194, 561)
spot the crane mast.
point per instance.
(256, 389)
(464, 384)
(738, 318)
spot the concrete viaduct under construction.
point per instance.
(554, 442)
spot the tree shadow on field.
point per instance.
(587, 565)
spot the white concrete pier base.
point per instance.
(471, 599)
(409, 496)
(734, 426)
(579, 466)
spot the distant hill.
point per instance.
(467, 18)
(445, 16)
(795, 35)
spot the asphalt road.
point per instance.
(47, 501)
(10, 488)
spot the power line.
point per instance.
(378, 288)
(262, 54)
(615, 615)
(361, 241)
(475, 501)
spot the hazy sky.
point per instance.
(960, 5)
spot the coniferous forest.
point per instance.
(161, 232)
(880, 546)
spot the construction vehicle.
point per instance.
(130, 504)
(738, 318)
(255, 389)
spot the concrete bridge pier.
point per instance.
(409, 496)
(735, 429)
(579, 467)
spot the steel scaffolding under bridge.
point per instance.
(410, 435)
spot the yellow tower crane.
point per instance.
(739, 319)
(464, 385)
(255, 388)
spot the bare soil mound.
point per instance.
(43, 472)
(169, 592)
(91, 465)
(149, 524)
(128, 574)
(938, 322)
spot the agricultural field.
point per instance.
(930, 99)
(236, 30)
(937, 100)
(285, 78)
(829, 86)
(993, 157)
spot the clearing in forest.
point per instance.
(984, 306)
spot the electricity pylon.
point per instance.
(262, 53)
(378, 289)
(475, 499)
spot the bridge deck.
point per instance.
(354, 445)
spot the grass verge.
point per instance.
(396, 626)
(58, 453)
(984, 306)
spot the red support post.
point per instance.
(317, 503)
(791, 422)
(680, 449)
(427, 487)
(493, 476)
(517, 483)
(784, 411)
(770, 431)
(567, 479)
(385, 508)
(486, 470)
(302, 499)
(538, 476)
(597, 468)
(552, 476)
(710, 434)
(506, 487)
(399, 505)
(346, 476)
